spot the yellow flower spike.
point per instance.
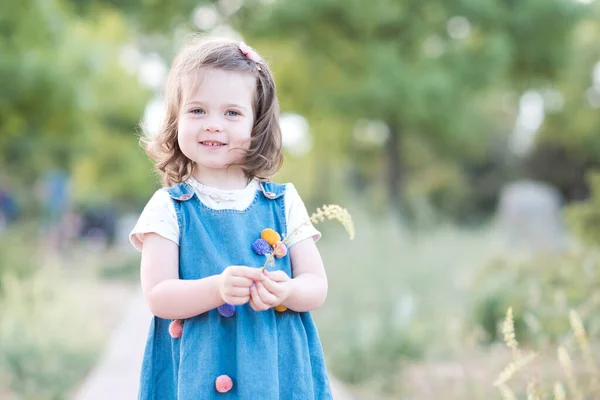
(333, 211)
(280, 308)
(270, 236)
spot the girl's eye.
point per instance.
(197, 111)
(232, 113)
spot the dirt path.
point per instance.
(116, 375)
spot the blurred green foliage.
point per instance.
(584, 216)
(49, 340)
(377, 362)
(445, 78)
(414, 68)
(395, 298)
(542, 288)
(68, 101)
(568, 144)
(122, 267)
(14, 260)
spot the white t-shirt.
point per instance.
(159, 214)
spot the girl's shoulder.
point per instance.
(289, 192)
(161, 197)
(158, 216)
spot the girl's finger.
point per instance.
(238, 291)
(259, 303)
(272, 287)
(238, 300)
(253, 305)
(277, 276)
(251, 273)
(241, 281)
(265, 295)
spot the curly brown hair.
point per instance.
(264, 156)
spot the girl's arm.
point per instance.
(308, 288)
(169, 297)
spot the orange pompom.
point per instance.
(223, 384)
(270, 236)
(176, 328)
(281, 251)
(280, 308)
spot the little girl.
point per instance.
(223, 328)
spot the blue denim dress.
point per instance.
(269, 355)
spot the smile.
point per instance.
(212, 143)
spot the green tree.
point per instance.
(568, 143)
(67, 99)
(39, 104)
(426, 70)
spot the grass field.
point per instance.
(396, 297)
(396, 324)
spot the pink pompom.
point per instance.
(223, 384)
(281, 251)
(176, 328)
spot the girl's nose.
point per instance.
(212, 126)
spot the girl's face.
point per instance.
(216, 119)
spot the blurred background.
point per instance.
(462, 136)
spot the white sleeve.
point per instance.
(157, 217)
(296, 215)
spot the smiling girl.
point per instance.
(223, 329)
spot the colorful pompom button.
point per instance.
(280, 251)
(280, 308)
(176, 328)
(226, 310)
(270, 236)
(261, 247)
(223, 384)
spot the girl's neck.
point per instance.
(231, 179)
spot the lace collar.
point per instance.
(220, 195)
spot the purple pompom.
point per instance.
(261, 247)
(226, 310)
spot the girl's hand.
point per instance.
(273, 290)
(235, 283)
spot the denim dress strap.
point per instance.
(271, 190)
(184, 192)
(181, 192)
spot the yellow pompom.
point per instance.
(280, 308)
(270, 236)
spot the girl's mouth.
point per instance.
(212, 143)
